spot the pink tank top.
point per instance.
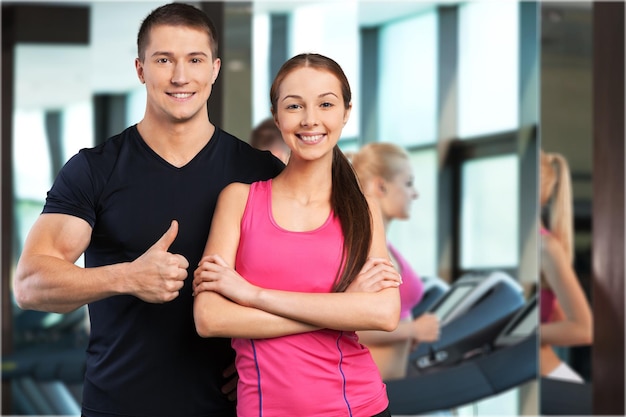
(547, 298)
(319, 373)
(412, 288)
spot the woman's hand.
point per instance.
(426, 328)
(214, 274)
(377, 274)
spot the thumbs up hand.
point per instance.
(158, 275)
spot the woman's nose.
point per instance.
(309, 118)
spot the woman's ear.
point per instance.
(381, 184)
(275, 117)
(346, 115)
(377, 187)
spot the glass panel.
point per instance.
(77, 128)
(260, 60)
(31, 162)
(415, 238)
(488, 67)
(136, 105)
(60, 87)
(408, 81)
(489, 212)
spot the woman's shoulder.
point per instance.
(233, 199)
(235, 190)
(240, 191)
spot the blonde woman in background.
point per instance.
(386, 176)
(566, 319)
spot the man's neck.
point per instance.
(177, 143)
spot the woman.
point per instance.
(385, 173)
(566, 318)
(292, 302)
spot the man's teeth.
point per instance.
(181, 95)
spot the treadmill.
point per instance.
(46, 369)
(472, 313)
(509, 360)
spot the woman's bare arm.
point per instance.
(340, 311)
(577, 326)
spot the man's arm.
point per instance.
(47, 279)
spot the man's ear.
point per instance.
(217, 64)
(139, 70)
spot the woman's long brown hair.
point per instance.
(347, 200)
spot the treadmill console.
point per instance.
(472, 314)
(467, 292)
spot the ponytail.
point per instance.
(350, 206)
(560, 215)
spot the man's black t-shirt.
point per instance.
(146, 359)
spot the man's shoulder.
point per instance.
(251, 163)
(114, 142)
(228, 139)
(224, 135)
(104, 156)
(241, 147)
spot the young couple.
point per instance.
(294, 259)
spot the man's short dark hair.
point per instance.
(176, 14)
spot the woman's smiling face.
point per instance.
(310, 112)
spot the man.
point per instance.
(140, 207)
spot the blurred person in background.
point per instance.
(386, 176)
(267, 137)
(566, 318)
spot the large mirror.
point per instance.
(431, 77)
(567, 131)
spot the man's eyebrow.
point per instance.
(169, 54)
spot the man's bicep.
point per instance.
(59, 235)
